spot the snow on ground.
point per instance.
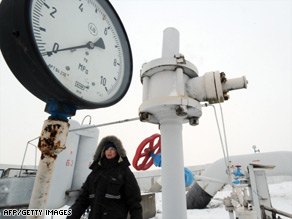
(281, 196)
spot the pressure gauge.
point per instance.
(75, 51)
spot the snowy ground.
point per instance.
(281, 196)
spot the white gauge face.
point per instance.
(79, 43)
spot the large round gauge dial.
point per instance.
(79, 51)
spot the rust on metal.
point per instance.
(49, 142)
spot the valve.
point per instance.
(154, 152)
(237, 175)
(213, 87)
(147, 152)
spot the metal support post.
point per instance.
(173, 183)
(170, 46)
(51, 143)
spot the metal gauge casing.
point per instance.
(73, 51)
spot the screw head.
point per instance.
(194, 121)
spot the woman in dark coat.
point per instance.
(111, 189)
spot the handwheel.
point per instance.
(144, 151)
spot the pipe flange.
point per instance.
(168, 64)
(185, 109)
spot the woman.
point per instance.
(111, 189)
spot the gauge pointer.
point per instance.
(90, 45)
(99, 43)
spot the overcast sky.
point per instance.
(241, 38)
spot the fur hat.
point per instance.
(99, 153)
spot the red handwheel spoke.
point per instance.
(144, 154)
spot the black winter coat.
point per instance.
(111, 190)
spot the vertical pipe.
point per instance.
(173, 184)
(42, 185)
(170, 46)
(173, 181)
(21, 167)
(51, 143)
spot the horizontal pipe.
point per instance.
(235, 84)
(281, 159)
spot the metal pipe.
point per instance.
(170, 46)
(234, 84)
(226, 146)
(276, 211)
(21, 167)
(42, 185)
(105, 124)
(85, 118)
(52, 142)
(100, 125)
(173, 185)
(22, 163)
(208, 179)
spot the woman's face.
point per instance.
(110, 153)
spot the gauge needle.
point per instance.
(90, 45)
